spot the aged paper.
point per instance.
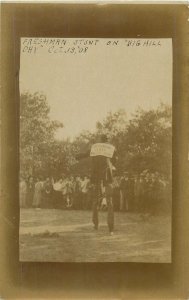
(106, 207)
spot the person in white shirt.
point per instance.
(57, 193)
(84, 190)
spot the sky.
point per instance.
(83, 84)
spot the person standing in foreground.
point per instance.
(102, 156)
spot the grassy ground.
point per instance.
(68, 236)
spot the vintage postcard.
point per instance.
(95, 149)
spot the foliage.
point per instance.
(36, 131)
(148, 141)
(113, 125)
(143, 142)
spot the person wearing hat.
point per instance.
(103, 156)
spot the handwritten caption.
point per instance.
(79, 46)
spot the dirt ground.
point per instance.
(68, 236)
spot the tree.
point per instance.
(36, 130)
(148, 142)
(82, 144)
(143, 142)
(113, 125)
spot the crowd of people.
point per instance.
(145, 192)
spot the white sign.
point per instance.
(103, 149)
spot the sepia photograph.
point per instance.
(95, 150)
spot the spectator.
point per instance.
(64, 192)
(84, 191)
(147, 193)
(38, 193)
(90, 194)
(138, 193)
(47, 194)
(77, 193)
(69, 192)
(130, 192)
(124, 192)
(57, 193)
(116, 193)
(22, 192)
(30, 192)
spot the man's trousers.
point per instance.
(97, 197)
